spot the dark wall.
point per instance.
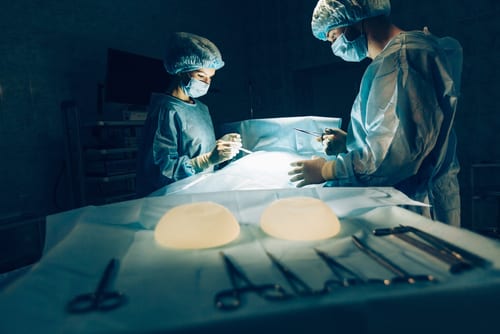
(56, 50)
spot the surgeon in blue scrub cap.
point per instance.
(401, 129)
(179, 139)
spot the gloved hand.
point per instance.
(225, 148)
(334, 141)
(316, 170)
(233, 137)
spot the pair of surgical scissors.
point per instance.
(230, 299)
(345, 276)
(312, 133)
(100, 299)
(456, 265)
(299, 287)
(444, 247)
(402, 276)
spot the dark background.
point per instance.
(53, 50)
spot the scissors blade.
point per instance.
(456, 266)
(335, 266)
(234, 273)
(296, 283)
(230, 299)
(402, 275)
(245, 150)
(384, 262)
(312, 133)
(106, 277)
(445, 248)
(448, 248)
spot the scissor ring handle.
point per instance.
(231, 299)
(228, 299)
(111, 300)
(272, 292)
(412, 279)
(91, 301)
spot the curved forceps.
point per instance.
(230, 299)
(100, 299)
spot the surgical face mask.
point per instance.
(355, 50)
(195, 88)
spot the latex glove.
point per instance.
(225, 148)
(233, 137)
(314, 171)
(334, 141)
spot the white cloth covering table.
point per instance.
(172, 291)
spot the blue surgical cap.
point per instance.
(331, 14)
(188, 52)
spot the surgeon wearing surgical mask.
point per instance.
(401, 129)
(179, 139)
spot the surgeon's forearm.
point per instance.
(328, 170)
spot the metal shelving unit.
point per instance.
(485, 197)
(101, 158)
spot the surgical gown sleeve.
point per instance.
(173, 163)
(175, 132)
(181, 136)
(399, 115)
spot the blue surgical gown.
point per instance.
(174, 133)
(401, 129)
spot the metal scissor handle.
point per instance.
(230, 299)
(100, 299)
(344, 276)
(105, 301)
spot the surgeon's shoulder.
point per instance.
(446, 45)
(200, 106)
(426, 39)
(418, 40)
(446, 42)
(450, 45)
(164, 106)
